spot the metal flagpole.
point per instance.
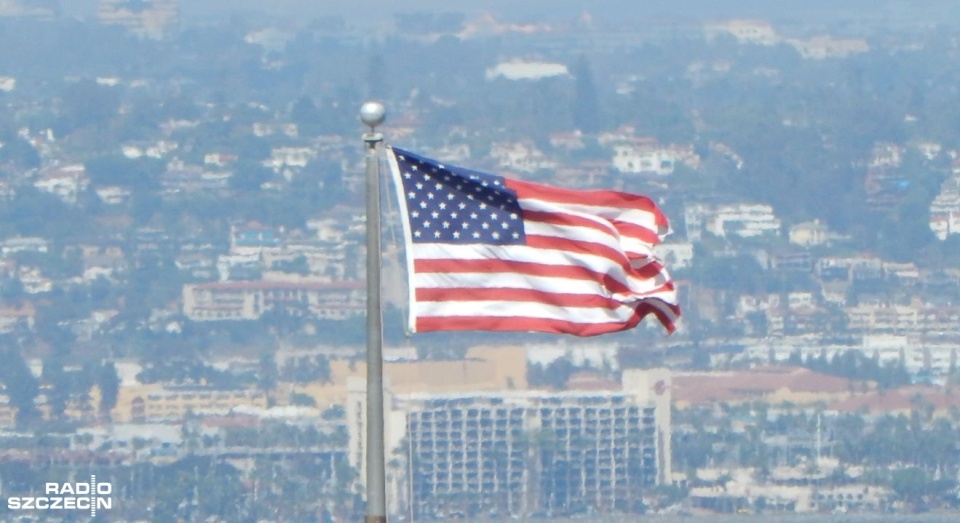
(372, 114)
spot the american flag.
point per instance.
(494, 254)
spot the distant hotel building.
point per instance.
(248, 300)
(146, 18)
(521, 452)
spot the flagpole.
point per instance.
(372, 114)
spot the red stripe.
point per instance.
(519, 295)
(451, 266)
(632, 230)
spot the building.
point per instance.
(822, 47)
(248, 300)
(643, 157)
(746, 220)
(757, 32)
(145, 18)
(167, 403)
(521, 452)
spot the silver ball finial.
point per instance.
(372, 114)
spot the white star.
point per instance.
(446, 177)
(483, 206)
(490, 197)
(426, 224)
(407, 175)
(485, 184)
(415, 214)
(465, 225)
(473, 216)
(505, 225)
(418, 185)
(413, 167)
(450, 196)
(440, 166)
(477, 189)
(493, 216)
(416, 233)
(476, 235)
(462, 206)
(513, 216)
(459, 186)
(430, 195)
(436, 234)
(423, 205)
(516, 236)
(426, 176)
(435, 215)
(496, 235)
(470, 197)
(456, 234)
(446, 225)
(485, 225)
(438, 186)
(442, 206)
(454, 214)
(411, 195)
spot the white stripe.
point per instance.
(509, 280)
(640, 218)
(631, 246)
(506, 309)
(524, 254)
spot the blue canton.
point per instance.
(447, 204)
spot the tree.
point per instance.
(21, 386)
(54, 375)
(909, 483)
(108, 381)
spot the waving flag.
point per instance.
(492, 254)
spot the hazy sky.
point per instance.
(355, 11)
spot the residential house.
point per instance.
(65, 182)
(643, 156)
(758, 32)
(146, 18)
(745, 220)
(520, 156)
(822, 47)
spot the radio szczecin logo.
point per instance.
(90, 496)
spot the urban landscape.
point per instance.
(182, 289)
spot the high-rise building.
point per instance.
(146, 18)
(519, 452)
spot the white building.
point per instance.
(521, 452)
(520, 156)
(746, 220)
(643, 158)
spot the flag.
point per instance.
(494, 254)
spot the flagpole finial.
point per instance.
(372, 114)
